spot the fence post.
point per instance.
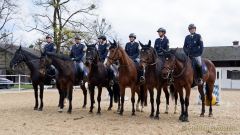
(19, 82)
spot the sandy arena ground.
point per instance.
(17, 117)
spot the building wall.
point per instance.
(226, 80)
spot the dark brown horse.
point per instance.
(152, 65)
(67, 77)
(127, 74)
(98, 77)
(179, 67)
(32, 62)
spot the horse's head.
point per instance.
(92, 55)
(45, 62)
(147, 54)
(17, 58)
(169, 63)
(113, 53)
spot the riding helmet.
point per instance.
(132, 35)
(103, 37)
(161, 30)
(191, 26)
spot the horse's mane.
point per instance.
(31, 54)
(59, 56)
(179, 55)
(95, 48)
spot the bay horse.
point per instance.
(127, 75)
(98, 77)
(152, 65)
(32, 62)
(67, 77)
(178, 66)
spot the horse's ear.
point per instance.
(149, 43)
(141, 44)
(114, 42)
(110, 42)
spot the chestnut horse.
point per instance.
(178, 66)
(66, 78)
(152, 65)
(127, 75)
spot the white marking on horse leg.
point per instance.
(137, 107)
(167, 108)
(60, 110)
(175, 109)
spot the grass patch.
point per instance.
(24, 86)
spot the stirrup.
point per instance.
(111, 82)
(200, 81)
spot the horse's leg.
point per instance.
(122, 94)
(61, 100)
(91, 91)
(201, 92)
(133, 89)
(151, 92)
(35, 86)
(180, 91)
(99, 99)
(176, 98)
(84, 94)
(167, 98)
(70, 91)
(158, 103)
(118, 110)
(110, 91)
(209, 96)
(188, 91)
(41, 97)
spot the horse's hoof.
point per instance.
(98, 113)
(166, 112)
(40, 109)
(185, 119)
(156, 117)
(121, 113)
(201, 115)
(175, 112)
(35, 108)
(133, 114)
(84, 107)
(210, 115)
(90, 111)
(138, 110)
(69, 112)
(60, 110)
(181, 117)
(109, 109)
(151, 116)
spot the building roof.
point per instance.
(222, 53)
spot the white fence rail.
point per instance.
(19, 82)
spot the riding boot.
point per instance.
(142, 78)
(111, 77)
(199, 70)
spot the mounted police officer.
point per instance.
(132, 49)
(49, 47)
(193, 47)
(77, 53)
(103, 52)
(161, 43)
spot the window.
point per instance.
(229, 74)
(235, 75)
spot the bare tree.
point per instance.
(59, 18)
(7, 10)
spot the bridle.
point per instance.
(113, 59)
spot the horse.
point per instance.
(127, 74)
(152, 65)
(32, 62)
(178, 66)
(98, 77)
(67, 77)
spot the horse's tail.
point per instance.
(172, 92)
(116, 92)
